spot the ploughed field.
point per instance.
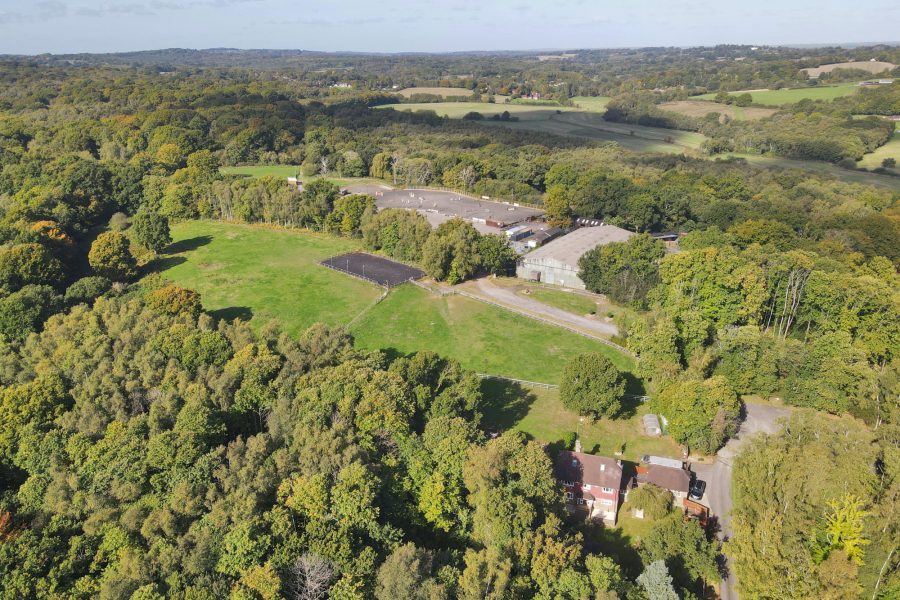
(261, 274)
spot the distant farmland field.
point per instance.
(790, 96)
(437, 91)
(262, 171)
(456, 110)
(889, 150)
(861, 65)
(700, 108)
(592, 103)
(592, 126)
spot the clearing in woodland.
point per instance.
(262, 274)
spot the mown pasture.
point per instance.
(263, 274)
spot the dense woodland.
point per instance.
(150, 451)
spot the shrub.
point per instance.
(86, 289)
(175, 300)
(653, 500)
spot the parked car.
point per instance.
(698, 488)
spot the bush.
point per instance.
(889, 163)
(568, 440)
(175, 300)
(118, 222)
(654, 501)
(86, 289)
(473, 116)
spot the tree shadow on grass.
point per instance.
(612, 541)
(634, 387)
(188, 244)
(164, 263)
(231, 313)
(504, 403)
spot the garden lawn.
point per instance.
(253, 271)
(540, 413)
(482, 337)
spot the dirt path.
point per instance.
(760, 418)
(486, 289)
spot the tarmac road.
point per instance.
(759, 418)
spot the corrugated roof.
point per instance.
(569, 248)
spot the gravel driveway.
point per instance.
(485, 288)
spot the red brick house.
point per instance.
(594, 482)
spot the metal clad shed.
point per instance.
(556, 262)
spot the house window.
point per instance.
(606, 502)
(608, 490)
(586, 486)
(581, 501)
(569, 495)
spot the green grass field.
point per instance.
(247, 271)
(592, 103)
(848, 175)
(790, 96)
(286, 171)
(889, 150)
(568, 301)
(260, 274)
(480, 336)
(456, 110)
(592, 126)
(262, 171)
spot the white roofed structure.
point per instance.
(557, 262)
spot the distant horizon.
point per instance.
(812, 46)
(402, 26)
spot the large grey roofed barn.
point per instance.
(569, 248)
(557, 262)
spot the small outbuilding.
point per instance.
(651, 425)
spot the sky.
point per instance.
(68, 26)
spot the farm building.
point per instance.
(557, 262)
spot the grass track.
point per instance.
(264, 274)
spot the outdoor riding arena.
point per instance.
(438, 206)
(378, 270)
